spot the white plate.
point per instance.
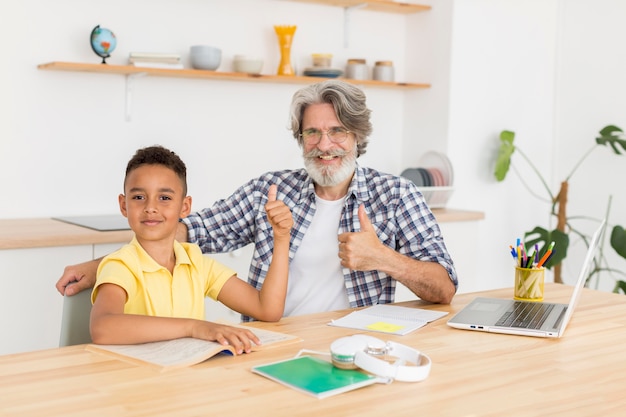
(440, 161)
(437, 176)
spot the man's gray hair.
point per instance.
(348, 102)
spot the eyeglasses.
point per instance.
(314, 136)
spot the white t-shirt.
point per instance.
(316, 280)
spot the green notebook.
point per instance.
(315, 376)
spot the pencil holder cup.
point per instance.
(529, 284)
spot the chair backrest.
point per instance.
(75, 322)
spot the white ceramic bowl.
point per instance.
(247, 64)
(205, 57)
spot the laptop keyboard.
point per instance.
(525, 315)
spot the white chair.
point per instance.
(75, 322)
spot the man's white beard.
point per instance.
(329, 176)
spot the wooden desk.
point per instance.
(473, 374)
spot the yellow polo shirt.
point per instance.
(151, 289)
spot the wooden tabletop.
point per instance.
(46, 232)
(473, 373)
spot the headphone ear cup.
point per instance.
(343, 350)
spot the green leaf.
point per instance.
(620, 285)
(503, 162)
(611, 135)
(618, 240)
(544, 238)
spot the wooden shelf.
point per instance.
(212, 75)
(388, 6)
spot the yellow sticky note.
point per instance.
(381, 326)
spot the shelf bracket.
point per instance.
(346, 22)
(129, 90)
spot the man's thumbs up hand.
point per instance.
(359, 250)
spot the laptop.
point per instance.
(525, 318)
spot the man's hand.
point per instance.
(363, 251)
(360, 251)
(77, 278)
(181, 233)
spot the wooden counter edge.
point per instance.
(46, 232)
(446, 215)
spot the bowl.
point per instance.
(205, 57)
(247, 64)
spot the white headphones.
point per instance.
(362, 351)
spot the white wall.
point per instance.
(591, 91)
(551, 70)
(65, 141)
(502, 77)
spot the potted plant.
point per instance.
(611, 136)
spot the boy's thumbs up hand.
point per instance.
(278, 213)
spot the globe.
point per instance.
(103, 42)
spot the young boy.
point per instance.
(153, 288)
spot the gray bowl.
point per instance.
(205, 57)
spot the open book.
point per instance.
(315, 376)
(178, 353)
(386, 318)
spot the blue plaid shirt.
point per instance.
(395, 206)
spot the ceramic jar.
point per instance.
(383, 71)
(322, 60)
(357, 70)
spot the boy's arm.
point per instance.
(268, 304)
(109, 325)
(274, 290)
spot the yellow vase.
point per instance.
(285, 38)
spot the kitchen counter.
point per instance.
(44, 232)
(35, 251)
(446, 215)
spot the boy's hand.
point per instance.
(240, 339)
(278, 214)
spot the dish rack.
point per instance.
(437, 197)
